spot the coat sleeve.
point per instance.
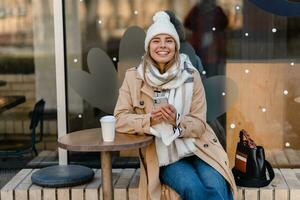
(127, 121)
(194, 123)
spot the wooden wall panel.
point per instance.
(261, 88)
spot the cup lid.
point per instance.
(108, 118)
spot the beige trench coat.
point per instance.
(132, 113)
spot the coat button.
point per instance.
(215, 140)
(141, 103)
(205, 145)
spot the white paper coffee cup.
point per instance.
(108, 128)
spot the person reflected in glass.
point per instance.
(164, 97)
(208, 23)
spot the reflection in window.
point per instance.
(255, 49)
(27, 66)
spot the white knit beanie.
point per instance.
(161, 25)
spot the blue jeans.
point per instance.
(193, 179)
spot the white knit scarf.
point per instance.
(178, 81)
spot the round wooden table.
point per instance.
(90, 140)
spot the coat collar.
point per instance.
(144, 87)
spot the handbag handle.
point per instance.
(246, 140)
(255, 182)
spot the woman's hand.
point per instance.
(156, 117)
(169, 114)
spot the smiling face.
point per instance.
(162, 49)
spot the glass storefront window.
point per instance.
(256, 49)
(27, 69)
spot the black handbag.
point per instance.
(251, 168)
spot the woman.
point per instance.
(164, 97)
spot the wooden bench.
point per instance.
(285, 186)
(21, 188)
(279, 158)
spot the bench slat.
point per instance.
(21, 191)
(115, 176)
(92, 189)
(280, 186)
(37, 160)
(120, 189)
(49, 193)
(266, 193)
(251, 193)
(77, 191)
(53, 156)
(297, 173)
(240, 193)
(63, 193)
(7, 190)
(14, 182)
(133, 189)
(35, 191)
(292, 182)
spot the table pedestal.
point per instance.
(89, 140)
(106, 175)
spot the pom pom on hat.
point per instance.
(161, 25)
(161, 15)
